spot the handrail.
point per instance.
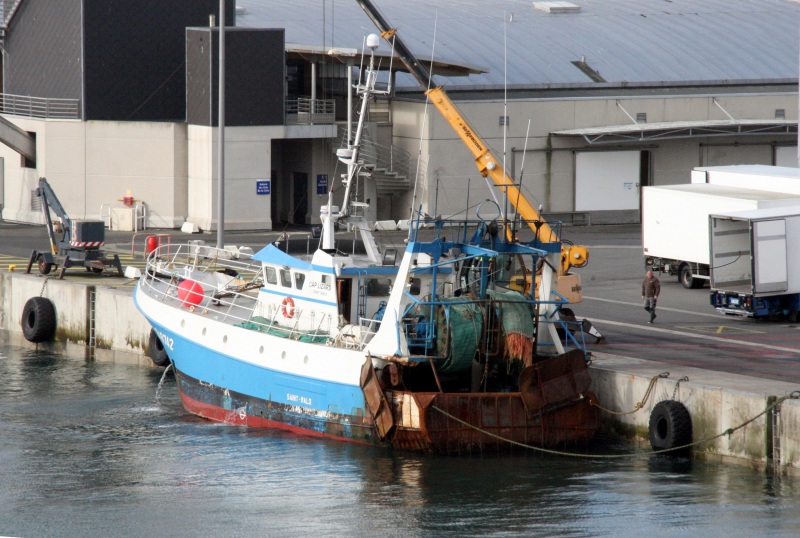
(105, 217)
(139, 212)
(40, 107)
(307, 111)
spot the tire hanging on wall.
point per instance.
(156, 350)
(670, 427)
(38, 320)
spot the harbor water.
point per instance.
(91, 448)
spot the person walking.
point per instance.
(651, 288)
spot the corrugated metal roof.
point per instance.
(624, 41)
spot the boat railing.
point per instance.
(230, 293)
(195, 257)
(357, 336)
(318, 325)
(571, 333)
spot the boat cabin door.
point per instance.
(344, 291)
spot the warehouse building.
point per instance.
(586, 102)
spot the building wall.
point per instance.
(412, 131)
(248, 157)
(323, 159)
(43, 50)
(147, 158)
(125, 60)
(549, 169)
(91, 164)
(254, 75)
(135, 56)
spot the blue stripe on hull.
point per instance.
(306, 396)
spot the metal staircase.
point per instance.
(390, 166)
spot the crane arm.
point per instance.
(487, 163)
(50, 201)
(484, 159)
(489, 166)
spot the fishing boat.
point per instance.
(438, 345)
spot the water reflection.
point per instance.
(87, 448)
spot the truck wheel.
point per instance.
(44, 267)
(686, 278)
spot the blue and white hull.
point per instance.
(416, 375)
(240, 376)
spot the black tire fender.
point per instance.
(670, 425)
(38, 320)
(156, 350)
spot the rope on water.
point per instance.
(793, 396)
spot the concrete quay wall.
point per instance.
(120, 330)
(716, 401)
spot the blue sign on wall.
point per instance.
(322, 183)
(263, 187)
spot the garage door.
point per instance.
(786, 156)
(607, 180)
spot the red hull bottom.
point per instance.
(551, 414)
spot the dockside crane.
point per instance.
(73, 242)
(553, 276)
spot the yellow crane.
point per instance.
(565, 284)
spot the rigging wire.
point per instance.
(505, 113)
(522, 165)
(424, 120)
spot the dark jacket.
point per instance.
(651, 287)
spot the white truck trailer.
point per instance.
(751, 176)
(754, 259)
(675, 224)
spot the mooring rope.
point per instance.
(638, 405)
(793, 396)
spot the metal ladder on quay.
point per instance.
(92, 314)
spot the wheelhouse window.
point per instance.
(286, 278)
(299, 279)
(379, 287)
(272, 275)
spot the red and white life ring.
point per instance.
(287, 307)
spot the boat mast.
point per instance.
(350, 157)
